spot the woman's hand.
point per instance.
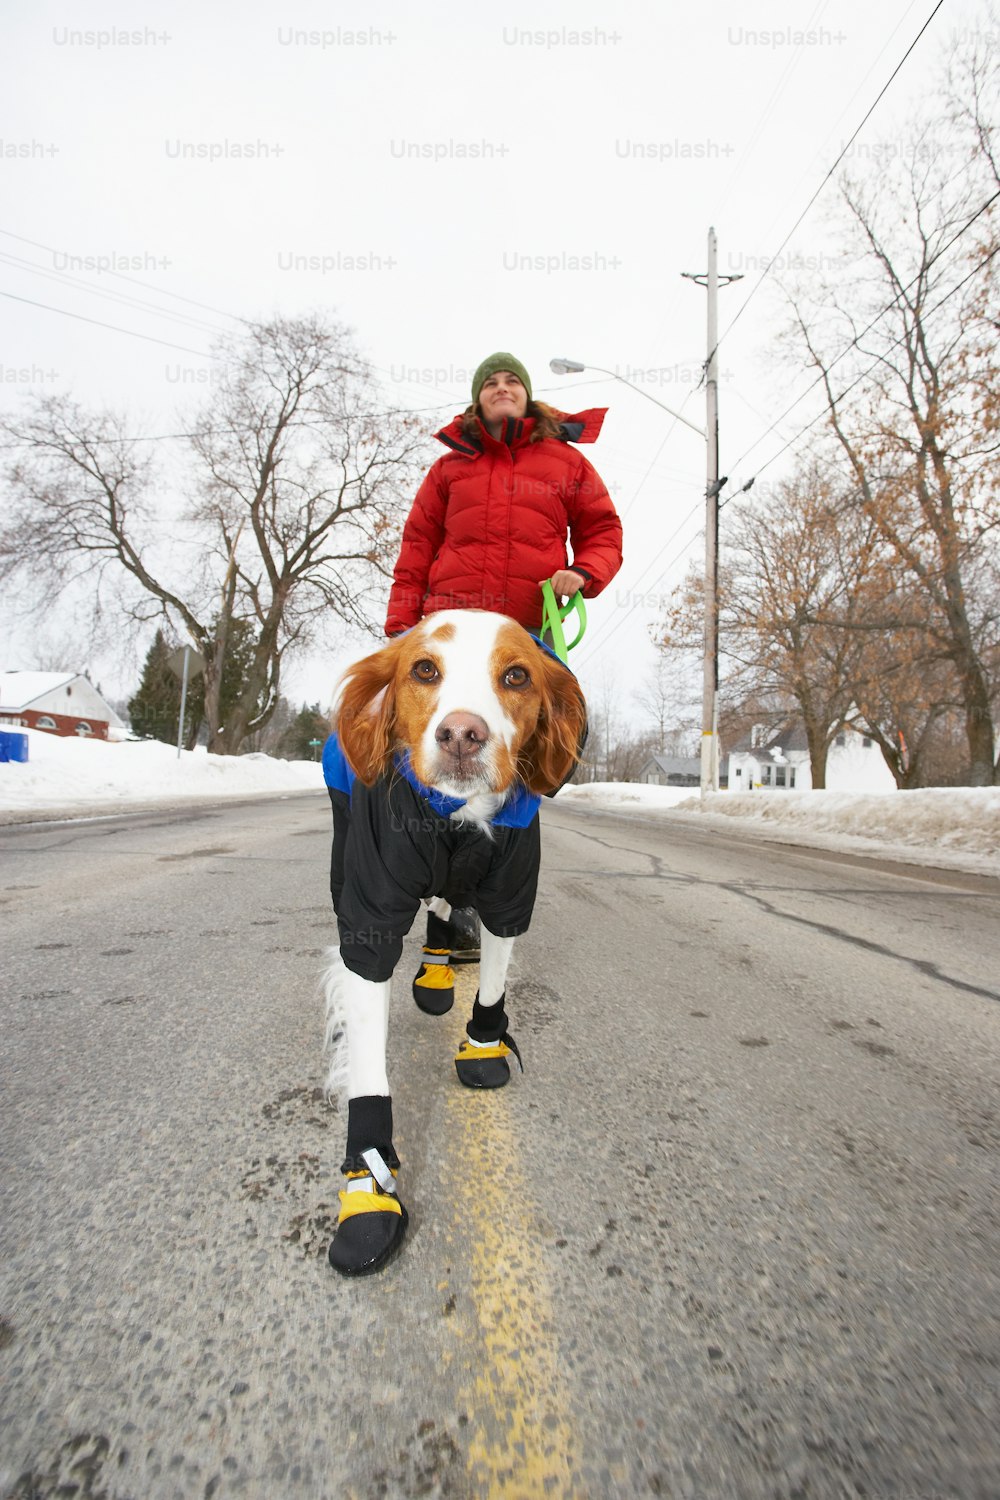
(565, 583)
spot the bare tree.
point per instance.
(789, 580)
(666, 696)
(299, 488)
(918, 427)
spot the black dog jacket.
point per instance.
(392, 849)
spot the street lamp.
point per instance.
(574, 367)
(710, 689)
(710, 433)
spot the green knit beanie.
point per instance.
(496, 362)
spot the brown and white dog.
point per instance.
(444, 741)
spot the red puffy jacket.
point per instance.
(490, 521)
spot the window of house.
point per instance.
(738, 771)
(765, 775)
(840, 741)
(779, 775)
(45, 722)
(866, 741)
(791, 776)
(83, 728)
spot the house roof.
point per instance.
(676, 765)
(790, 736)
(21, 689)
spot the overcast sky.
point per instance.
(450, 180)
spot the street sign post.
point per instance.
(185, 662)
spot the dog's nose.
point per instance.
(462, 734)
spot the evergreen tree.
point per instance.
(155, 710)
(309, 724)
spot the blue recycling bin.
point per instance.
(13, 746)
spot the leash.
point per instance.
(553, 617)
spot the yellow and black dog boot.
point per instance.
(372, 1220)
(434, 985)
(481, 1061)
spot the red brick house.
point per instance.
(63, 703)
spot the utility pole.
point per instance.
(713, 484)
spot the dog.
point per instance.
(444, 742)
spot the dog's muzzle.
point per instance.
(461, 738)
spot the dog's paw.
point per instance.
(370, 1231)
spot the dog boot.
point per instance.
(481, 1061)
(434, 985)
(372, 1220)
(463, 925)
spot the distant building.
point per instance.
(671, 770)
(769, 761)
(63, 703)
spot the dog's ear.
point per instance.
(365, 715)
(550, 756)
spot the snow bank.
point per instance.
(66, 776)
(944, 818)
(952, 829)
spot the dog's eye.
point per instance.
(425, 671)
(516, 677)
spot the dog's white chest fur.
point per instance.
(480, 810)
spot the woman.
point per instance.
(491, 519)
(490, 522)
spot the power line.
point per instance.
(751, 140)
(881, 94)
(844, 112)
(662, 574)
(178, 297)
(855, 341)
(766, 272)
(827, 408)
(388, 411)
(121, 276)
(203, 354)
(18, 262)
(164, 437)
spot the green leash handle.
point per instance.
(553, 617)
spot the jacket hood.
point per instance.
(577, 427)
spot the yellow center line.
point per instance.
(522, 1437)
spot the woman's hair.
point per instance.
(548, 422)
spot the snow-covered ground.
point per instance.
(953, 829)
(71, 778)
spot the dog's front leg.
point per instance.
(366, 1020)
(372, 1220)
(481, 1062)
(493, 966)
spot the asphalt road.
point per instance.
(733, 1234)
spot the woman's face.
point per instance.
(502, 396)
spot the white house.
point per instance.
(64, 703)
(775, 762)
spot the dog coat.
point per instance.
(394, 845)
